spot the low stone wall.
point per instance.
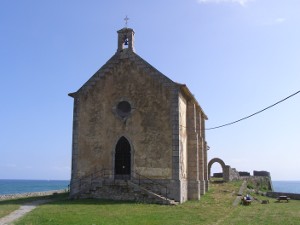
(290, 195)
(30, 194)
(229, 174)
(244, 174)
(261, 173)
(218, 175)
(126, 191)
(119, 189)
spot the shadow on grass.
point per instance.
(217, 181)
(90, 201)
(63, 199)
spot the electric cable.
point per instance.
(260, 111)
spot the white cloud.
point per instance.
(240, 2)
(280, 20)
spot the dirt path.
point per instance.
(238, 198)
(24, 209)
(235, 202)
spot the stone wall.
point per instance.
(233, 174)
(194, 157)
(244, 174)
(261, 173)
(134, 189)
(150, 115)
(162, 135)
(277, 194)
(182, 136)
(218, 175)
(229, 173)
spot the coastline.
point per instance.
(30, 194)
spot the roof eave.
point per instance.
(188, 93)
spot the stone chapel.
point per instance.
(137, 135)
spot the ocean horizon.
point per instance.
(20, 186)
(286, 186)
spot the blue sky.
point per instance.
(236, 57)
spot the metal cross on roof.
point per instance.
(126, 20)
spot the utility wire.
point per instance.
(244, 118)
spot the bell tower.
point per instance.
(126, 39)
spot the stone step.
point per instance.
(161, 199)
(127, 188)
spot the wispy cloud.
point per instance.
(277, 21)
(9, 165)
(28, 167)
(280, 20)
(240, 2)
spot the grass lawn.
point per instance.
(214, 208)
(7, 206)
(274, 213)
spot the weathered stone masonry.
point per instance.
(132, 124)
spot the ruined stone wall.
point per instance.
(233, 174)
(244, 174)
(218, 175)
(261, 173)
(148, 128)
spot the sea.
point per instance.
(286, 186)
(26, 186)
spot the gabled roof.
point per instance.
(126, 35)
(125, 54)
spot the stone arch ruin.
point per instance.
(221, 162)
(228, 172)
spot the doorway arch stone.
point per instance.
(224, 168)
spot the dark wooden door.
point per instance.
(122, 159)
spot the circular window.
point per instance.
(123, 108)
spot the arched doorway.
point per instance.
(122, 159)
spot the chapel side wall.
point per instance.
(74, 186)
(183, 146)
(193, 153)
(148, 128)
(200, 128)
(204, 156)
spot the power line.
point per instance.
(244, 118)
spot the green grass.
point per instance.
(219, 199)
(7, 206)
(214, 208)
(272, 213)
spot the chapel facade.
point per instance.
(137, 135)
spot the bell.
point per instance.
(126, 41)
